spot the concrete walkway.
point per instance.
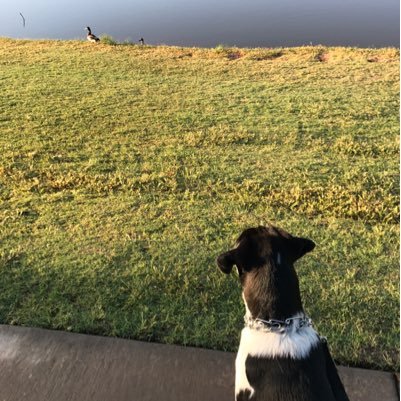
(44, 365)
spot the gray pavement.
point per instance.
(45, 365)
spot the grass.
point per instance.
(108, 40)
(125, 171)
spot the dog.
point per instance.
(280, 357)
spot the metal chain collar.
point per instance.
(277, 326)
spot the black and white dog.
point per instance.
(280, 357)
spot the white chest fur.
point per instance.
(295, 344)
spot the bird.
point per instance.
(141, 41)
(23, 20)
(90, 36)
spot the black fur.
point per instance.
(271, 290)
(290, 380)
(243, 395)
(265, 258)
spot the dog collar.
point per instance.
(278, 326)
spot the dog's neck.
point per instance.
(275, 311)
(287, 326)
(271, 300)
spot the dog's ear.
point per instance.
(226, 261)
(301, 246)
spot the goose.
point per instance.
(90, 36)
(141, 41)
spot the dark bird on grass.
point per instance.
(141, 41)
(90, 36)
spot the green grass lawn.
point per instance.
(125, 171)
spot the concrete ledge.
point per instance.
(38, 365)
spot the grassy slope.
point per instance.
(124, 171)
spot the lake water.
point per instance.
(244, 23)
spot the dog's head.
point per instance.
(265, 258)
